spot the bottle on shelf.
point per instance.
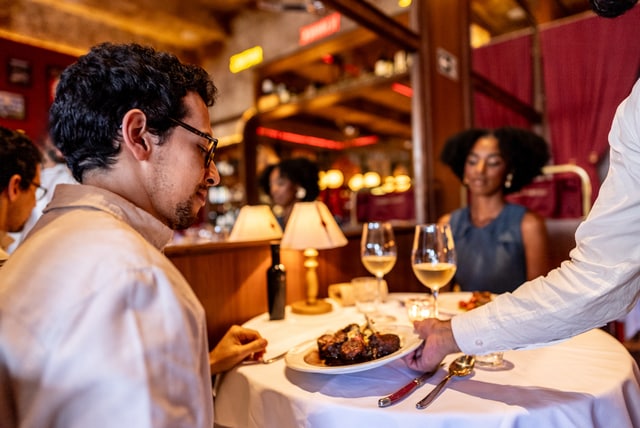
(276, 284)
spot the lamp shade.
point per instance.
(255, 223)
(311, 225)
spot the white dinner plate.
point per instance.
(449, 303)
(295, 358)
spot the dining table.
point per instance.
(589, 380)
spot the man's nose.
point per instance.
(213, 176)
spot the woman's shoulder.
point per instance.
(533, 222)
(445, 219)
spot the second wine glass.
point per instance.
(378, 250)
(433, 257)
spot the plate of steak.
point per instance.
(352, 349)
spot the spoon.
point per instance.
(461, 366)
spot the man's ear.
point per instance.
(134, 131)
(13, 187)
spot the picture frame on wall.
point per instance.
(12, 106)
(19, 72)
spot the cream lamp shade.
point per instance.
(255, 223)
(311, 227)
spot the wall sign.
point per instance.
(319, 29)
(447, 64)
(19, 72)
(12, 106)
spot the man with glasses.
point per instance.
(19, 182)
(53, 171)
(97, 327)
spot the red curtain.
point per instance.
(590, 65)
(508, 64)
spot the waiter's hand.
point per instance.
(438, 343)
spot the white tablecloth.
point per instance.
(588, 381)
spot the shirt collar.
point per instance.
(86, 196)
(5, 240)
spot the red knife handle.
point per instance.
(398, 395)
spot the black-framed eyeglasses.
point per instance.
(213, 142)
(40, 191)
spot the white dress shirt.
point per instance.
(600, 283)
(97, 327)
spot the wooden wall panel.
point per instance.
(230, 278)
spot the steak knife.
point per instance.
(404, 392)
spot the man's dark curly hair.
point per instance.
(524, 152)
(18, 155)
(95, 93)
(611, 8)
(301, 171)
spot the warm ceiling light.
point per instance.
(371, 179)
(479, 36)
(334, 179)
(322, 181)
(389, 185)
(356, 182)
(403, 183)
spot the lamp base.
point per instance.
(302, 307)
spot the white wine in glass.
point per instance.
(433, 257)
(378, 251)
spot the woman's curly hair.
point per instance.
(524, 152)
(301, 171)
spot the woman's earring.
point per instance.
(508, 180)
(301, 193)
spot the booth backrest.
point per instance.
(562, 240)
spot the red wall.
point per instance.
(42, 65)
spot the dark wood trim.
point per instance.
(372, 18)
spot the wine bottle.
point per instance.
(276, 284)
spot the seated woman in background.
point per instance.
(499, 245)
(290, 181)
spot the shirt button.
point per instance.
(479, 342)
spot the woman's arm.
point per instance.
(536, 245)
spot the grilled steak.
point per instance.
(352, 345)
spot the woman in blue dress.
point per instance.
(499, 245)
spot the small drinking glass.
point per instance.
(493, 360)
(419, 308)
(366, 294)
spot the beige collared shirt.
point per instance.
(5, 241)
(97, 327)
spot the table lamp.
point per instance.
(255, 223)
(311, 227)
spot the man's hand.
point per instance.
(238, 344)
(439, 342)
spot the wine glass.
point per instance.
(378, 252)
(433, 257)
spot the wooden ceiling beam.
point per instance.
(380, 23)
